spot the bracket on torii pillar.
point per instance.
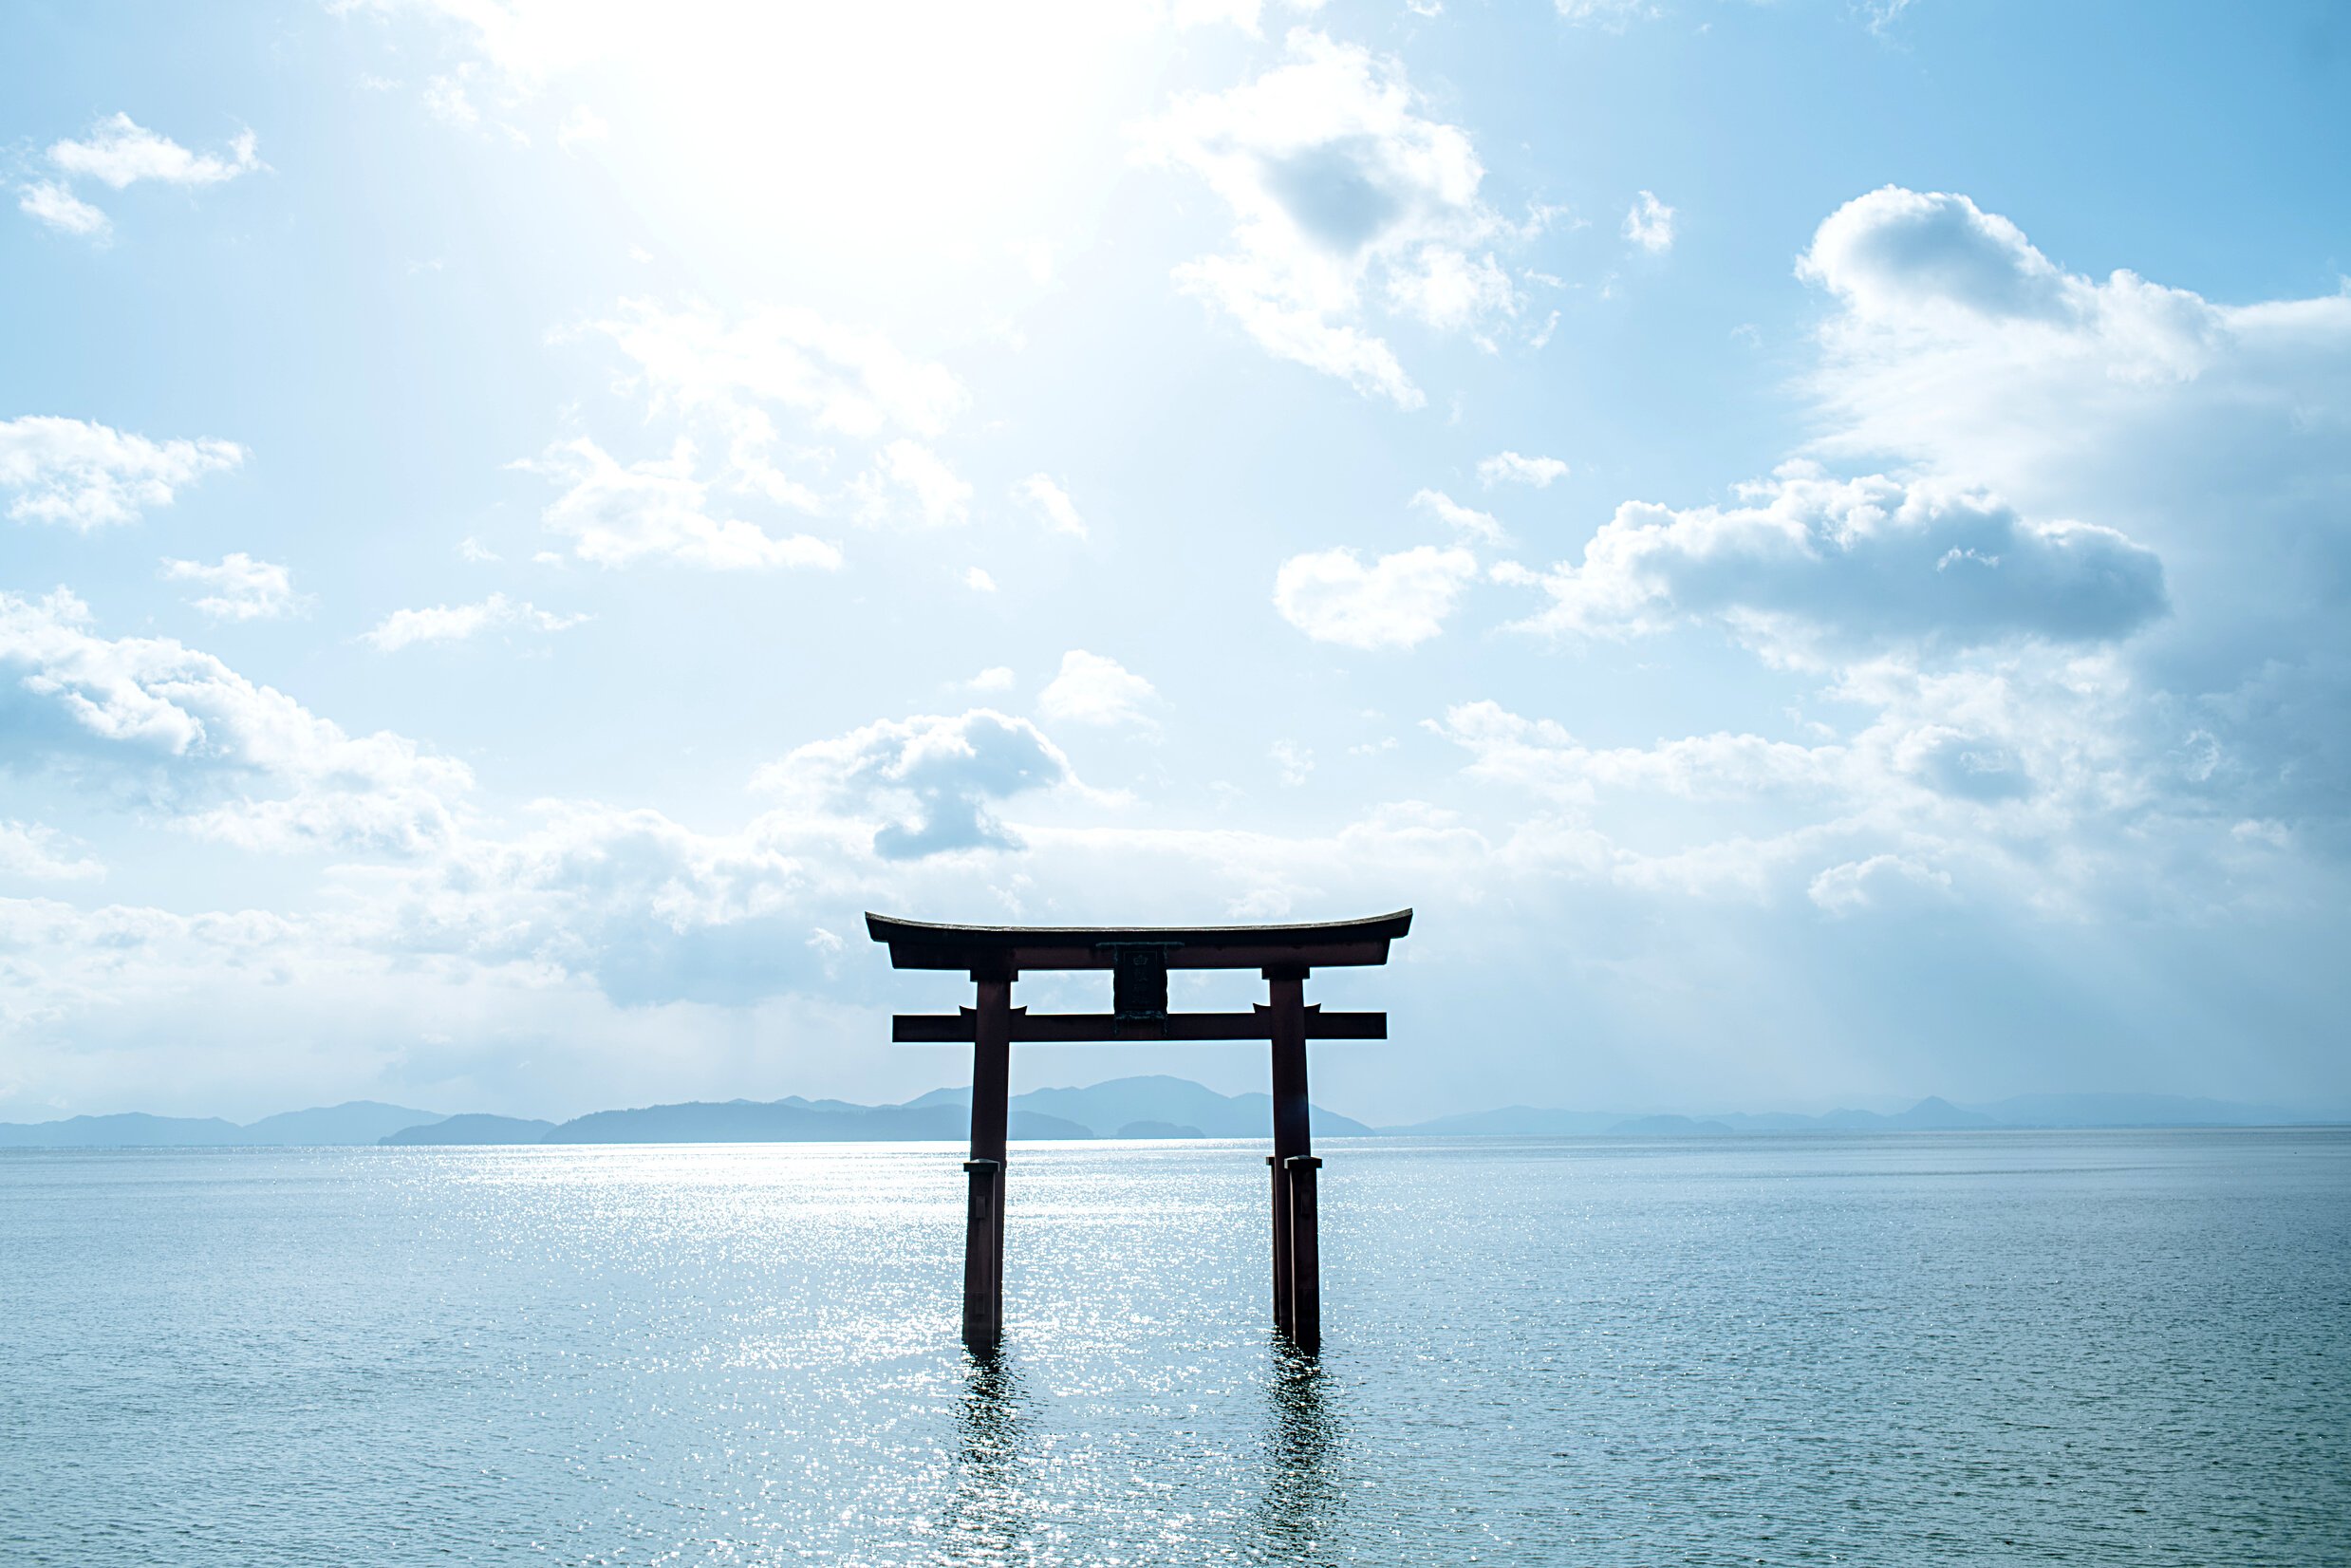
(1139, 959)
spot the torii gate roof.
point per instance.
(919, 944)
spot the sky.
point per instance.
(1808, 542)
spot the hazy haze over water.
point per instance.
(1981, 1348)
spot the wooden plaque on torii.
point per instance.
(1139, 959)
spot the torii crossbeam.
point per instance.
(1139, 959)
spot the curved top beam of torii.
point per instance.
(920, 945)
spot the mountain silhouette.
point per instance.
(472, 1127)
(1152, 1106)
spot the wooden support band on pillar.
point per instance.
(1281, 1240)
(1305, 1254)
(983, 1256)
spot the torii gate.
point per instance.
(1139, 959)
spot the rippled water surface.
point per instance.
(2127, 1346)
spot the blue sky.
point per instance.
(1807, 540)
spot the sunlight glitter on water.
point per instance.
(1916, 1349)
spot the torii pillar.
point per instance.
(1139, 959)
(983, 1234)
(1297, 1253)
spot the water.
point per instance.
(2001, 1347)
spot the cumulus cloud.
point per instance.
(1462, 520)
(238, 588)
(616, 515)
(727, 379)
(908, 482)
(37, 853)
(2036, 774)
(47, 202)
(2214, 433)
(846, 382)
(1344, 196)
(85, 475)
(1396, 601)
(2045, 711)
(648, 909)
(1649, 225)
(1540, 756)
(1895, 255)
(119, 151)
(1092, 690)
(456, 622)
(1809, 559)
(929, 783)
(1878, 882)
(1510, 468)
(1052, 503)
(225, 758)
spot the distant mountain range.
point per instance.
(353, 1122)
(1156, 1107)
(1932, 1115)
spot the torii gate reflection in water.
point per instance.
(1139, 959)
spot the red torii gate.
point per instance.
(1139, 959)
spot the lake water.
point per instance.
(2103, 1347)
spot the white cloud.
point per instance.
(927, 785)
(2020, 739)
(1092, 690)
(121, 152)
(238, 588)
(1293, 763)
(471, 549)
(1878, 882)
(1510, 468)
(995, 678)
(847, 381)
(2216, 435)
(581, 126)
(1543, 759)
(1811, 560)
(49, 202)
(978, 580)
(1610, 15)
(456, 622)
(616, 515)
(1462, 520)
(1649, 225)
(1052, 503)
(725, 377)
(85, 475)
(38, 853)
(1341, 192)
(224, 758)
(910, 482)
(1398, 601)
(447, 101)
(1895, 255)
